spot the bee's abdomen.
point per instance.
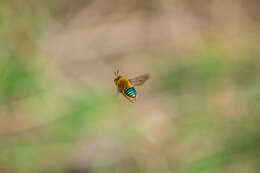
(130, 92)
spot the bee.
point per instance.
(126, 86)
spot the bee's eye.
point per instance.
(114, 80)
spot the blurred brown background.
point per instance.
(198, 113)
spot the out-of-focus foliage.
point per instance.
(196, 83)
(59, 111)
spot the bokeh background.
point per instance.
(198, 113)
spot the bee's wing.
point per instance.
(139, 80)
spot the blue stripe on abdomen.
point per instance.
(130, 92)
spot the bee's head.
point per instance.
(117, 77)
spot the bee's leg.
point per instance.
(130, 99)
(134, 100)
(118, 92)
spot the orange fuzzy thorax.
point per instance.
(123, 83)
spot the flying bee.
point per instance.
(126, 86)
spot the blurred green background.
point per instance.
(198, 113)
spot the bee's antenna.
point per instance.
(116, 72)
